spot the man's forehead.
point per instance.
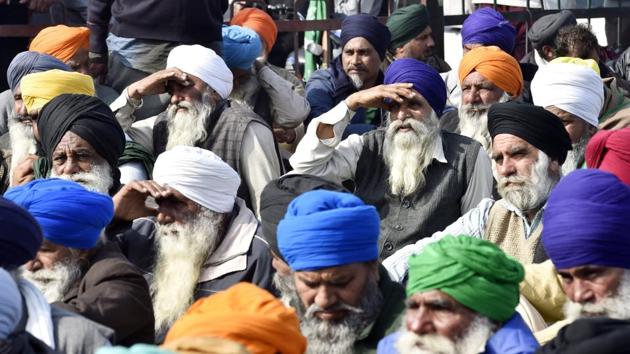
(73, 141)
(587, 268)
(476, 78)
(507, 142)
(432, 296)
(358, 43)
(332, 272)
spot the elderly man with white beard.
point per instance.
(419, 178)
(461, 299)
(529, 144)
(200, 239)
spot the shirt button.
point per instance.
(406, 204)
(398, 227)
(389, 246)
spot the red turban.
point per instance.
(609, 150)
(62, 42)
(259, 21)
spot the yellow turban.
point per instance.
(62, 42)
(39, 88)
(495, 65)
(589, 63)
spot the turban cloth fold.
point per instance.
(21, 236)
(424, 78)
(475, 272)
(10, 304)
(199, 175)
(533, 124)
(545, 29)
(205, 345)
(573, 88)
(203, 63)
(407, 23)
(241, 46)
(488, 27)
(69, 214)
(62, 42)
(135, 349)
(495, 65)
(586, 221)
(590, 335)
(588, 63)
(39, 88)
(246, 314)
(87, 117)
(259, 21)
(324, 229)
(368, 27)
(31, 62)
(609, 150)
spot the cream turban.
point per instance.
(572, 87)
(203, 63)
(199, 175)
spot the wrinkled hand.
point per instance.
(284, 135)
(129, 202)
(375, 97)
(98, 71)
(24, 173)
(155, 83)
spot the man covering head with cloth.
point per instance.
(461, 298)
(609, 150)
(345, 303)
(39, 88)
(542, 35)
(572, 90)
(244, 313)
(68, 44)
(586, 237)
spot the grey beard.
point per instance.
(357, 82)
(615, 306)
(22, 142)
(99, 179)
(575, 156)
(285, 286)
(56, 282)
(188, 128)
(473, 122)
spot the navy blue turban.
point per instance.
(21, 236)
(368, 27)
(424, 78)
(488, 27)
(324, 229)
(31, 62)
(587, 220)
(69, 214)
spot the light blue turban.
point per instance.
(241, 46)
(10, 304)
(68, 214)
(323, 229)
(31, 62)
(136, 349)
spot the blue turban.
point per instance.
(368, 27)
(31, 62)
(241, 46)
(586, 221)
(69, 214)
(323, 229)
(10, 305)
(424, 78)
(21, 236)
(488, 27)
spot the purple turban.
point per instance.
(368, 27)
(424, 78)
(31, 62)
(21, 236)
(488, 27)
(586, 221)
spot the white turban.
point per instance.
(573, 88)
(203, 63)
(199, 175)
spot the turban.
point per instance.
(241, 46)
(205, 345)
(533, 124)
(203, 63)
(586, 221)
(275, 199)
(424, 78)
(87, 117)
(31, 62)
(259, 21)
(10, 304)
(488, 27)
(324, 229)
(497, 66)
(39, 88)
(406, 23)
(368, 27)
(135, 349)
(609, 150)
(21, 236)
(62, 42)
(573, 88)
(587, 63)
(246, 314)
(69, 214)
(590, 335)
(544, 30)
(200, 176)
(475, 272)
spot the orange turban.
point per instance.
(259, 21)
(245, 314)
(495, 65)
(62, 42)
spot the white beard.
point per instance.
(285, 286)
(55, 282)
(408, 154)
(22, 143)
(357, 82)
(188, 127)
(472, 342)
(473, 122)
(575, 155)
(182, 250)
(615, 306)
(99, 179)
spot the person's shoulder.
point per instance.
(109, 263)
(259, 249)
(76, 334)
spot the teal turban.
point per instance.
(474, 272)
(406, 23)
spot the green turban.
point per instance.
(474, 272)
(406, 23)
